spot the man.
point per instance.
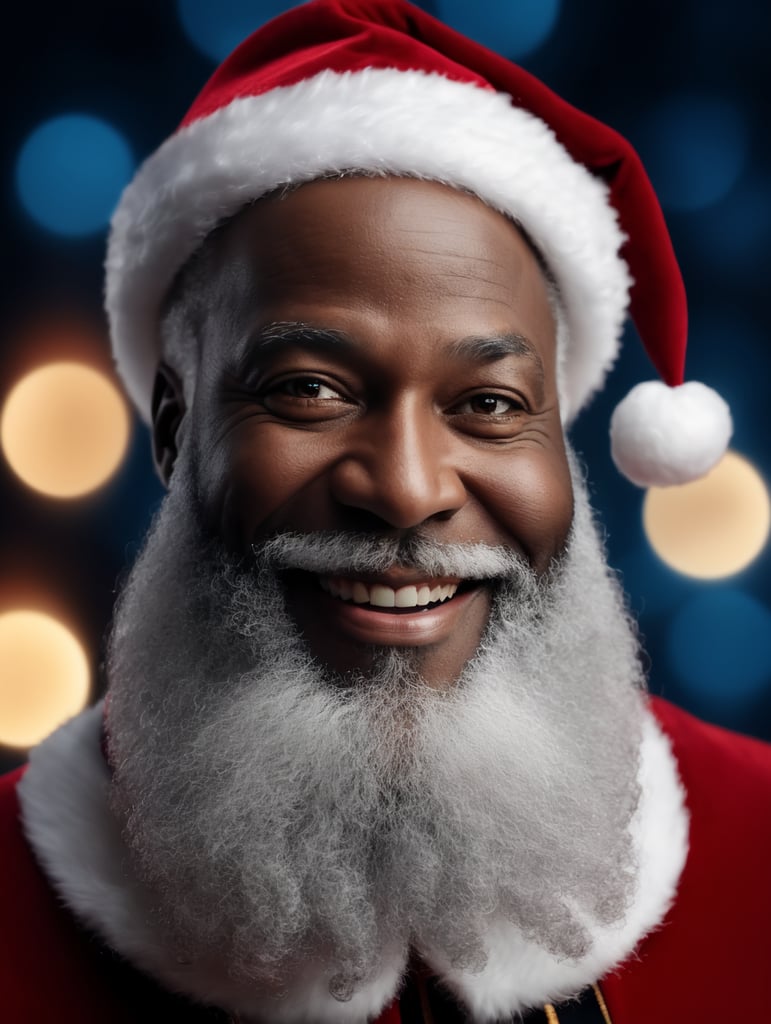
(376, 744)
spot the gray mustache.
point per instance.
(338, 553)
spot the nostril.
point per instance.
(444, 515)
(361, 520)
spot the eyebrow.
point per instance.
(492, 349)
(484, 349)
(275, 336)
(473, 349)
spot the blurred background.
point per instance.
(92, 88)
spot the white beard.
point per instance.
(279, 814)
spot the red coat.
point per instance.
(708, 962)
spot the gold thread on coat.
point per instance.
(601, 1003)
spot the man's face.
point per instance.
(376, 388)
(397, 377)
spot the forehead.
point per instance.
(405, 254)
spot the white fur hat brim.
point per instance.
(377, 121)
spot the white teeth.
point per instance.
(406, 597)
(381, 596)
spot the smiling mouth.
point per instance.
(414, 597)
(397, 607)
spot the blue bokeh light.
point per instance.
(70, 173)
(514, 28)
(216, 29)
(720, 647)
(695, 149)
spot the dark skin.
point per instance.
(399, 375)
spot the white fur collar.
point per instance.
(66, 819)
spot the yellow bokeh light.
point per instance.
(44, 677)
(64, 429)
(713, 527)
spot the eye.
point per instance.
(306, 387)
(489, 404)
(306, 398)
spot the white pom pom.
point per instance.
(661, 436)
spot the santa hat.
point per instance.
(380, 87)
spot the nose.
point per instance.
(401, 467)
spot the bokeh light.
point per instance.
(720, 647)
(64, 429)
(217, 29)
(70, 173)
(44, 677)
(712, 527)
(695, 149)
(513, 28)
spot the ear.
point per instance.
(168, 411)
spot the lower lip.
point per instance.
(403, 629)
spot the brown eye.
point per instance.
(306, 399)
(490, 405)
(307, 387)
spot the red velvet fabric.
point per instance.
(708, 962)
(350, 35)
(49, 970)
(711, 959)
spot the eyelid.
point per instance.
(304, 379)
(261, 369)
(269, 384)
(277, 399)
(516, 400)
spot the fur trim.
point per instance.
(662, 436)
(66, 818)
(64, 799)
(379, 121)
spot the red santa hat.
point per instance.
(380, 87)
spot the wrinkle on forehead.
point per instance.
(390, 244)
(393, 231)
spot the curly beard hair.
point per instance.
(278, 814)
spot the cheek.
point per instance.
(532, 500)
(258, 480)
